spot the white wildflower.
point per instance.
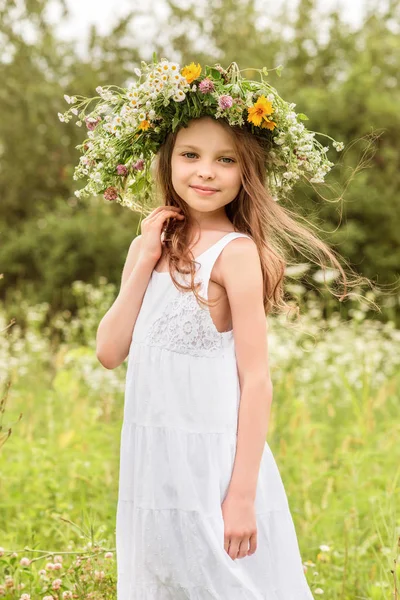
(326, 276)
(179, 96)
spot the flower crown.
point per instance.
(127, 126)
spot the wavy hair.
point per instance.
(274, 228)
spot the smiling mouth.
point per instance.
(205, 191)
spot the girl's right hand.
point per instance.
(151, 228)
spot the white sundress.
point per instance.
(178, 444)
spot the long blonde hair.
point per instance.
(273, 227)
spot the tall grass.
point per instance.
(334, 432)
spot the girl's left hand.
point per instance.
(240, 526)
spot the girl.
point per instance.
(202, 511)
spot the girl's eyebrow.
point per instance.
(226, 151)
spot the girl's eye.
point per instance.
(194, 154)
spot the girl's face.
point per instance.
(204, 156)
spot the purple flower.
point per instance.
(91, 122)
(122, 170)
(206, 86)
(225, 101)
(111, 193)
(139, 165)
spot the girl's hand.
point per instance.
(151, 228)
(240, 527)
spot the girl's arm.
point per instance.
(115, 330)
(242, 278)
(114, 333)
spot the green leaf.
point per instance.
(215, 73)
(175, 122)
(279, 70)
(302, 116)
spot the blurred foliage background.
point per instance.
(346, 81)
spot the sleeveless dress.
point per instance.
(178, 443)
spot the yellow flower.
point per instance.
(321, 556)
(144, 125)
(268, 124)
(259, 111)
(191, 72)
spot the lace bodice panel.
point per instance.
(183, 325)
(186, 327)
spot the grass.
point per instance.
(334, 433)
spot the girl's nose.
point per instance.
(205, 171)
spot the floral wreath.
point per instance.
(127, 126)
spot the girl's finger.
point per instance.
(226, 544)
(157, 210)
(253, 544)
(243, 548)
(162, 215)
(234, 548)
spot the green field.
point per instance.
(334, 432)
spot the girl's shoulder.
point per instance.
(239, 253)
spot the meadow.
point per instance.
(334, 433)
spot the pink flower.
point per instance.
(56, 584)
(122, 170)
(25, 562)
(111, 193)
(139, 165)
(91, 122)
(206, 86)
(225, 101)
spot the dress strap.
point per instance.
(208, 258)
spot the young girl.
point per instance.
(202, 511)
